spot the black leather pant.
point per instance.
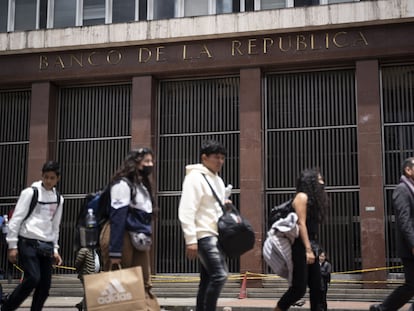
(213, 274)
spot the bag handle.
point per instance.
(119, 266)
(215, 194)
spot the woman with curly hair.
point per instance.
(311, 204)
(126, 239)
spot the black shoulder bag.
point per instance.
(236, 235)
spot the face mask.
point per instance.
(146, 170)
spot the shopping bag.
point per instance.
(121, 289)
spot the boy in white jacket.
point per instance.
(33, 239)
(199, 212)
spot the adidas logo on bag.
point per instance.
(114, 292)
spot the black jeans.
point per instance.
(405, 292)
(303, 275)
(213, 274)
(37, 275)
(324, 304)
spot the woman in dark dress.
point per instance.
(311, 204)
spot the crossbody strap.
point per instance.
(215, 194)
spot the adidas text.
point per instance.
(114, 298)
(114, 292)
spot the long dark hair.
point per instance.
(318, 200)
(128, 169)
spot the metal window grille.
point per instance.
(191, 111)
(14, 145)
(310, 121)
(93, 138)
(398, 139)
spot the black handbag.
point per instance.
(236, 235)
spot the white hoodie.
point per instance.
(199, 210)
(42, 224)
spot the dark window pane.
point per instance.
(249, 5)
(143, 10)
(123, 11)
(306, 2)
(3, 15)
(93, 12)
(43, 14)
(163, 9)
(25, 15)
(65, 13)
(236, 5)
(227, 6)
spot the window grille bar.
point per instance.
(191, 111)
(93, 139)
(313, 115)
(398, 139)
(14, 147)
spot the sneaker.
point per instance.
(375, 308)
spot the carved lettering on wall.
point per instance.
(236, 48)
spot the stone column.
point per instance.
(251, 175)
(142, 112)
(370, 170)
(143, 108)
(42, 146)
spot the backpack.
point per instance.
(5, 223)
(280, 211)
(33, 203)
(100, 203)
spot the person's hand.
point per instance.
(115, 262)
(12, 255)
(310, 256)
(192, 250)
(58, 259)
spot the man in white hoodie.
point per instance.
(33, 238)
(198, 213)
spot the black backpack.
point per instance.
(100, 203)
(280, 211)
(33, 203)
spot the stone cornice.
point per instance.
(214, 26)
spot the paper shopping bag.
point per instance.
(115, 290)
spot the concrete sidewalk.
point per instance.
(225, 304)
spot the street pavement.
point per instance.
(224, 304)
